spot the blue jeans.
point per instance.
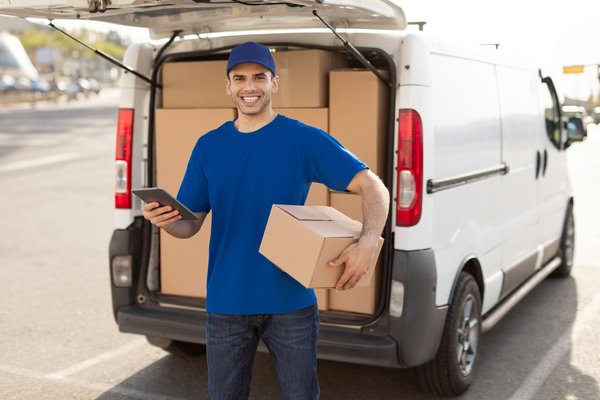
(231, 342)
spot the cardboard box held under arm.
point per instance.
(301, 240)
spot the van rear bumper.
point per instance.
(336, 344)
(411, 339)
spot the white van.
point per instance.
(470, 144)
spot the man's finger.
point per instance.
(342, 281)
(351, 283)
(339, 260)
(168, 216)
(168, 221)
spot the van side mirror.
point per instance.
(575, 130)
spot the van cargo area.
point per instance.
(318, 87)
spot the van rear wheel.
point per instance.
(178, 348)
(451, 372)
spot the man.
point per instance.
(238, 171)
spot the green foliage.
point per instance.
(110, 43)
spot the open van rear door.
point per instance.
(162, 18)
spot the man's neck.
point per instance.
(250, 123)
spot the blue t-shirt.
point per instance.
(239, 176)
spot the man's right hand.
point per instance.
(160, 216)
(169, 219)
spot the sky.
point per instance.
(550, 33)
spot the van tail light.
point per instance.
(123, 158)
(409, 193)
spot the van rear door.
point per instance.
(162, 18)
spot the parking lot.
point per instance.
(61, 342)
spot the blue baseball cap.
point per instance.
(251, 52)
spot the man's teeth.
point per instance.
(250, 98)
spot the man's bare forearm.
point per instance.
(375, 206)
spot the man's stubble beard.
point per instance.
(265, 104)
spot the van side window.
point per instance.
(551, 115)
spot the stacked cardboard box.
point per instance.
(358, 118)
(358, 115)
(360, 299)
(195, 101)
(193, 84)
(184, 262)
(304, 77)
(312, 90)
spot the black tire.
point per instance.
(178, 348)
(451, 372)
(566, 250)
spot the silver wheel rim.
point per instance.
(468, 335)
(569, 242)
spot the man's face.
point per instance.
(251, 86)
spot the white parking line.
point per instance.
(538, 376)
(102, 387)
(62, 376)
(96, 360)
(39, 161)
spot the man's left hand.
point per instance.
(357, 257)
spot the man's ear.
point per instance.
(275, 84)
(228, 86)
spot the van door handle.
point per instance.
(538, 163)
(545, 163)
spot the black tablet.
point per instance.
(162, 197)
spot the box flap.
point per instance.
(307, 213)
(315, 213)
(331, 229)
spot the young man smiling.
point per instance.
(238, 171)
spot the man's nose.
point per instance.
(249, 84)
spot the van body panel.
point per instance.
(493, 289)
(467, 118)
(480, 111)
(419, 236)
(414, 60)
(467, 139)
(464, 226)
(554, 194)
(135, 94)
(522, 139)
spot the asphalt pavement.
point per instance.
(60, 340)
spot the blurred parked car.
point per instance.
(596, 115)
(577, 115)
(7, 83)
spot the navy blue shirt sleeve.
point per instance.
(330, 162)
(193, 191)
